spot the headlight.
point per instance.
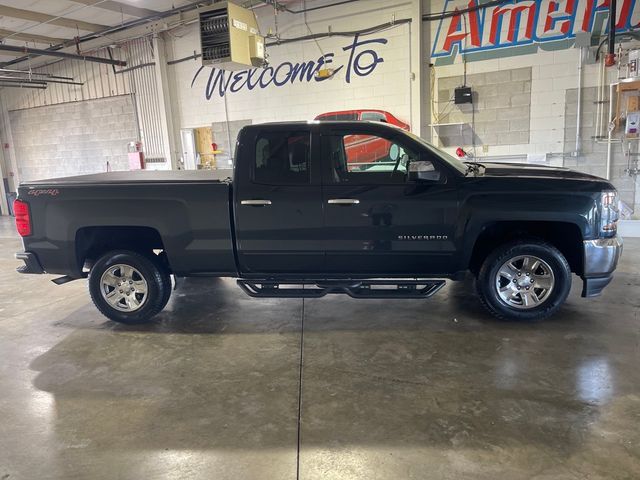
(609, 213)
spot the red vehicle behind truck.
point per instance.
(362, 150)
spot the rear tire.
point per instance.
(128, 287)
(524, 280)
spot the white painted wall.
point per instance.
(387, 88)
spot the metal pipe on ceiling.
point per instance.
(47, 81)
(314, 36)
(364, 31)
(430, 17)
(25, 80)
(22, 85)
(118, 28)
(135, 67)
(31, 73)
(280, 6)
(52, 53)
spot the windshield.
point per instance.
(449, 159)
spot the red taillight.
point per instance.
(23, 218)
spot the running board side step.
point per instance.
(354, 288)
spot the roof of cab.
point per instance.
(326, 123)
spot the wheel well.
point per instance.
(93, 242)
(566, 237)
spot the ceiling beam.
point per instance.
(118, 7)
(49, 19)
(12, 54)
(22, 85)
(59, 54)
(28, 37)
(129, 29)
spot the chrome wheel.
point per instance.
(525, 282)
(124, 288)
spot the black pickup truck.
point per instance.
(359, 208)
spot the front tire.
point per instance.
(128, 287)
(524, 280)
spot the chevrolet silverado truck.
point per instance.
(298, 219)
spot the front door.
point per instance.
(188, 149)
(278, 204)
(377, 222)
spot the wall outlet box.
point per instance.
(462, 95)
(633, 123)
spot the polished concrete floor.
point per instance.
(431, 389)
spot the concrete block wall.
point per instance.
(552, 73)
(73, 138)
(501, 109)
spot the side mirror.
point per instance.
(423, 171)
(394, 152)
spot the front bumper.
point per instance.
(600, 260)
(31, 263)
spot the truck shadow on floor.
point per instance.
(215, 306)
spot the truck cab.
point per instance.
(339, 212)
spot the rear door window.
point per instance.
(282, 158)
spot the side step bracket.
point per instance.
(379, 288)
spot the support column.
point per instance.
(4, 206)
(426, 131)
(164, 101)
(7, 137)
(415, 29)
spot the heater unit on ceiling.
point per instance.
(229, 37)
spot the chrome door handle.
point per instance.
(343, 201)
(256, 203)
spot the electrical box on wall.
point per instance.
(633, 65)
(462, 95)
(633, 123)
(229, 37)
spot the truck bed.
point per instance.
(137, 176)
(189, 212)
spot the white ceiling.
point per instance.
(97, 13)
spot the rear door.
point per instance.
(376, 221)
(278, 202)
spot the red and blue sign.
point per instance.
(525, 23)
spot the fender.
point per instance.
(479, 211)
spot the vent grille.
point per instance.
(215, 38)
(230, 37)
